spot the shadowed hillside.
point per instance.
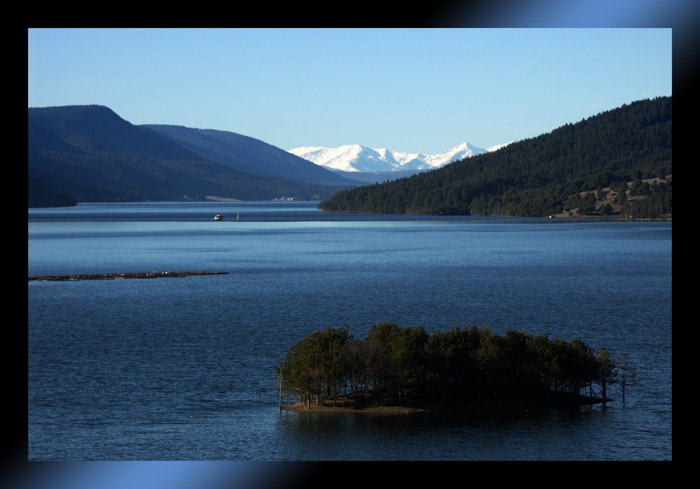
(249, 155)
(90, 154)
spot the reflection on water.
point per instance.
(529, 435)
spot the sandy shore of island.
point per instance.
(340, 408)
(347, 406)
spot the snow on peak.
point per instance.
(357, 158)
(498, 146)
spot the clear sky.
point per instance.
(414, 90)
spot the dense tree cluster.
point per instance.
(533, 177)
(657, 204)
(394, 364)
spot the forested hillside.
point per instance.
(536, 177)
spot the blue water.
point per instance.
(182, 368)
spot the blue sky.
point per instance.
(416, 90)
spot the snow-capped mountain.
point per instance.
(357, 158)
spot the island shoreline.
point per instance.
(346, 405)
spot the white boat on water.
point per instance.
(220, 217)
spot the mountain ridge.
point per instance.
(365, 159)
(247, 154)
(88, 153)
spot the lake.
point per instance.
(182, 368)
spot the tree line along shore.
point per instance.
(404, 369)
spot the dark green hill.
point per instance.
(249, 155)
(90, 154)
(533, 177)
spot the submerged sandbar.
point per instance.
(112, 276)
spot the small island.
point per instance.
(405, 370)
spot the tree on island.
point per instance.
(396, 365)
(627, 373)
(606, 371)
